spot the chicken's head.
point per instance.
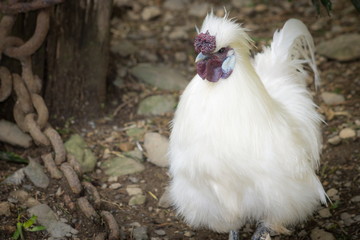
(210, 64)
(217, 44)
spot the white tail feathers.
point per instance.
(295, 43)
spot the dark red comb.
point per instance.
(205, 43)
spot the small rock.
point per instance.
(324, 213)
(5, 209)
(334, 140)
(319, 234)
(49, 220)
(189, 234)
(165, 200)
(35, 172)
(355, 199)
(113, 179)
(140, 233)
(157, 147)
(179, 33)
(16, 178)
(31, 202)
(347, 133)
(357, 122)
(121, 166)
(133, 179)
(137, 200)
(126, 146)
(198, 9)
(135, 133)
(135, 154)
(160, 232)
(124, 48)
(332, 192)
(175, 4)
(12, 134)
(346, 217)
(77, 146)
(133, 190)
(330, 98)
(180, 56)
(161, 76)
(157, 105)
(19, 196)
(115, 186)
(150, 13)
(260, 8)
(345, 47)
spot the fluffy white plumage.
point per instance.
(246, 148)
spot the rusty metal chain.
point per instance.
(31, 113)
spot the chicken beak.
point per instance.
(200, 57)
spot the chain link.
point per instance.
(30, 111)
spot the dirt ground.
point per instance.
(340, 164)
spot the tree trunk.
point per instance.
(77, 58)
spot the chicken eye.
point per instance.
(221, 50)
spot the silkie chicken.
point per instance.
(245, 140)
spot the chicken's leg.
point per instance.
(234, 235)
(261, 233)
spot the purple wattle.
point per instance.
(210, 69)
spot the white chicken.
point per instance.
(245, 141)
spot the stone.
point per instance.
(332, 98)
(160, 232)
(319, 234)
(139, 199)
(175, 4)
(157, 105)
(35, 173)
(135, 133)
(157, 147)
(260, 8)
(161, 76)
(199, 9)
(140, 233)
(124, 48)
(18, 196)
(189, 234)
(324, 213)
(31, 202)
(165, 200)
(347, 218)
(16, 178)
(48, 219)
(77, 146)
(135, 154)
(5, 209)
(334, 140)
(180, 56)
(179, 33)
(115, 185)
(133, 190)
(150, 13)
(347, 133)
(120, 166)
(355, 199)
(242, 3)
(332, 192)
(345, 47)
(12, 134)
(126, 146)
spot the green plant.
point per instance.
(28, 225)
